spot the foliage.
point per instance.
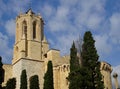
(74, 75)
(34, 82)
(74, 61)
(80, 79)
(48, 78)
(90, 61)
(23, 81)
(11, 84)
(87, 75)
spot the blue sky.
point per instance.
(65, 20)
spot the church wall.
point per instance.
(19, 48)
(32, 67)
(60, 76)
(8, 73)
(64, 71)
(17, 72)
(45, 48)
(56, 77)
(34, 50)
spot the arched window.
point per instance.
(24, 27)
(34, 30)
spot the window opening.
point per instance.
(34, 30)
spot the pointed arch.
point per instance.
(24, 25)
(34, 29)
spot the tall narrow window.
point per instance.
(34, 30)
(24, 27)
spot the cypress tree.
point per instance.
(1, 73)
(34, 82)
(23, 81)
(11, 84)
(74, 61)
(91, 63)
(48, 78)
(74, 75)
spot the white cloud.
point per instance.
(73, 17)
(64, 43)
(94, 21)
(102, 44)
(90, 13)
(18, 5)
(115, 28)
(10, 27)
(48, 10)
(5, 51)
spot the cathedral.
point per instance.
(31, 52)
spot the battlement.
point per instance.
(106, 67)
(63, 68)
(106, 70)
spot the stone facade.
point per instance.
(106, 70)
(32, 53)
(8, 73)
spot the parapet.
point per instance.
(53, 54)
(63, 68)
(106, 66)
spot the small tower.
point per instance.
(106, 70)
(115, 76)
(30, 46)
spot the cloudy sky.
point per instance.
(65, 21)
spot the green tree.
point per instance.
(48, 78)
(11, 84)
(74, 75)
(23, 81)
(91, 63)
(1, 73)
(34, 82)
(74, 60)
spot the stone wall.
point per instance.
(32, 67)
(8, 73)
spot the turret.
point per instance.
(106, 70)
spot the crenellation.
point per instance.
(106, 70)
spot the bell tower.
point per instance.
(29, 37)
(30, 46)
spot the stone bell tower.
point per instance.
(30, 47)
